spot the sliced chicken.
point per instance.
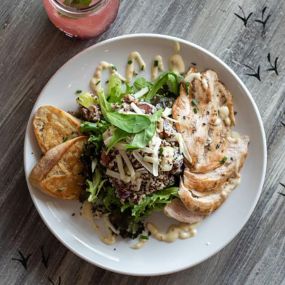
(205, 115)
(230, 165)
(201, 204)
(204, 112)
(179, 212)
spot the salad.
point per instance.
(134, 155)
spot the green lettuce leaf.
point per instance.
(115, 93)
(151, 203)
(94, 186)
(141, 83)
(96, 128)
(85, 99)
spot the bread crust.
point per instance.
(52, 126)
(59, 171)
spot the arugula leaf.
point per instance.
(77, 3)
(115, 93)
(117, 136)
(85, 99)
(151, 203)
(130, 123)
(94, 186)
(141, 139)
(171, 79)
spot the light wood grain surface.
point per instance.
(31, 50)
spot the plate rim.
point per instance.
(245, 90)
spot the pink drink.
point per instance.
(82, 23)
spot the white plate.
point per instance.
(156, 257)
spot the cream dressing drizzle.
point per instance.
(156, 67)
(176, 62)
(109, 238)
(139, 244)
(174, 232)
(95, 82)
(130, 69)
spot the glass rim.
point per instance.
(75, 11)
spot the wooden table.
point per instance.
(31, 50)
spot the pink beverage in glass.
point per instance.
(85, 22)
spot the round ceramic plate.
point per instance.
(155, 257)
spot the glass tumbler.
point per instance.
(86, 22)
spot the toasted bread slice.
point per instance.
(59, 172)
(53, 126)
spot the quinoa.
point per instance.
(149, 183)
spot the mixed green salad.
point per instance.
(134, 155)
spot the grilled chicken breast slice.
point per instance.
(204, 112)
(230, 165)
(179, 212)
(201, 204)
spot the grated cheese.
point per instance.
(128, 163)
(136, 108)
(147, 150)
(138, 184)
(116, 175)
(120, 167)
(148, 159)
(139, 158)
(157, 141)
(140, 93)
